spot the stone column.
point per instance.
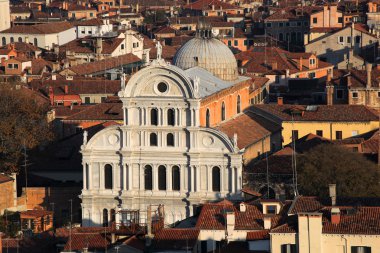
(155, 177)
(169, 177)
(125, 114)
(142, 177)
(209, 178)
(198, 178)
(164, 116)
(84, 176)
(101, 176)
(129, 173)
(192, 178)
(222, 169)
(89, 176)
(232, 179)
(183, 178)
(180, 119)
(125, 176)
(239, 178)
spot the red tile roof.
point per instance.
(106, 64)
(358, 220)
(290, 13)
(92, 241)
(207, 5)
(100, 112)
(249, 127)
(262, 61)
(77, 86)
(258, 235)
(40, 28)
(87, 46)
(35, 213)
(304, 204)
(335, 113)
(213, 215)
(5, 178)
(175, 239)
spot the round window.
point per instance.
(162, 87)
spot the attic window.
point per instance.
(196, 58)
(271, 209)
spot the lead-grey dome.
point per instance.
(208, 53)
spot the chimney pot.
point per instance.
(280, 100)
(274, 65)
(300, 63)
(335, 215)
(368, 67)
(332, 191)
(267, 222)
(243, 207)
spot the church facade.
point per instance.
(160, 155)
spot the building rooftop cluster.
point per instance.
(179, 126)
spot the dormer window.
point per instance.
(271, 209)
(312, 61)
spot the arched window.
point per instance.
(153, 139)
(148, 177)
(36, 42)
(215, 179)
(171, 117)
(162, 178)
(4, 41)
(12, 40)
(105, 217)
(154, 117)
(223, 111)
(238, 106)
(176, 184)
(19, 39)
(208, 117)
(170, 140)
(108, 176)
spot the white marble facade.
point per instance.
(160, 155)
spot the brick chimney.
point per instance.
(51, 95)
(66, 89)
(300, 63)
(329, 91)
(280, 100)
(335, 215)
(274, 65)
(368, 68)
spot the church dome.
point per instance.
(209, 53)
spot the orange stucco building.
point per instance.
(225, 104)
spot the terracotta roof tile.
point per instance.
(175, 239)
(109, 63)
(336, 113)
(207, 5)
(5, 178)
(40, 28)
(92, 241)
(100, 112)
(87, 46)
(213, 215)
(258, 235)
(304, 204)
(249, 128)
(290, 13)
(35, 213)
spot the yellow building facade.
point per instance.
(332, 122)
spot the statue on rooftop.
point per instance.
(159, 50)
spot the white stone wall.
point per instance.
(5, 17)
(196, 151)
